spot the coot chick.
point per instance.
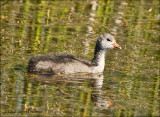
(69, 64)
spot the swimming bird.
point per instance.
(69, 64)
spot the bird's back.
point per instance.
(57, 64)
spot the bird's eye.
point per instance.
(108, 39)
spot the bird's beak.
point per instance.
(116, 45)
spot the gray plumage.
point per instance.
(68, 64)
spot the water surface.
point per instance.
(129, 85)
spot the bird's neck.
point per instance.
(99, 58)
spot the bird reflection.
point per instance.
(93, 81)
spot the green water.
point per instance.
(129, 85)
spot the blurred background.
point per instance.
(129, 85)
